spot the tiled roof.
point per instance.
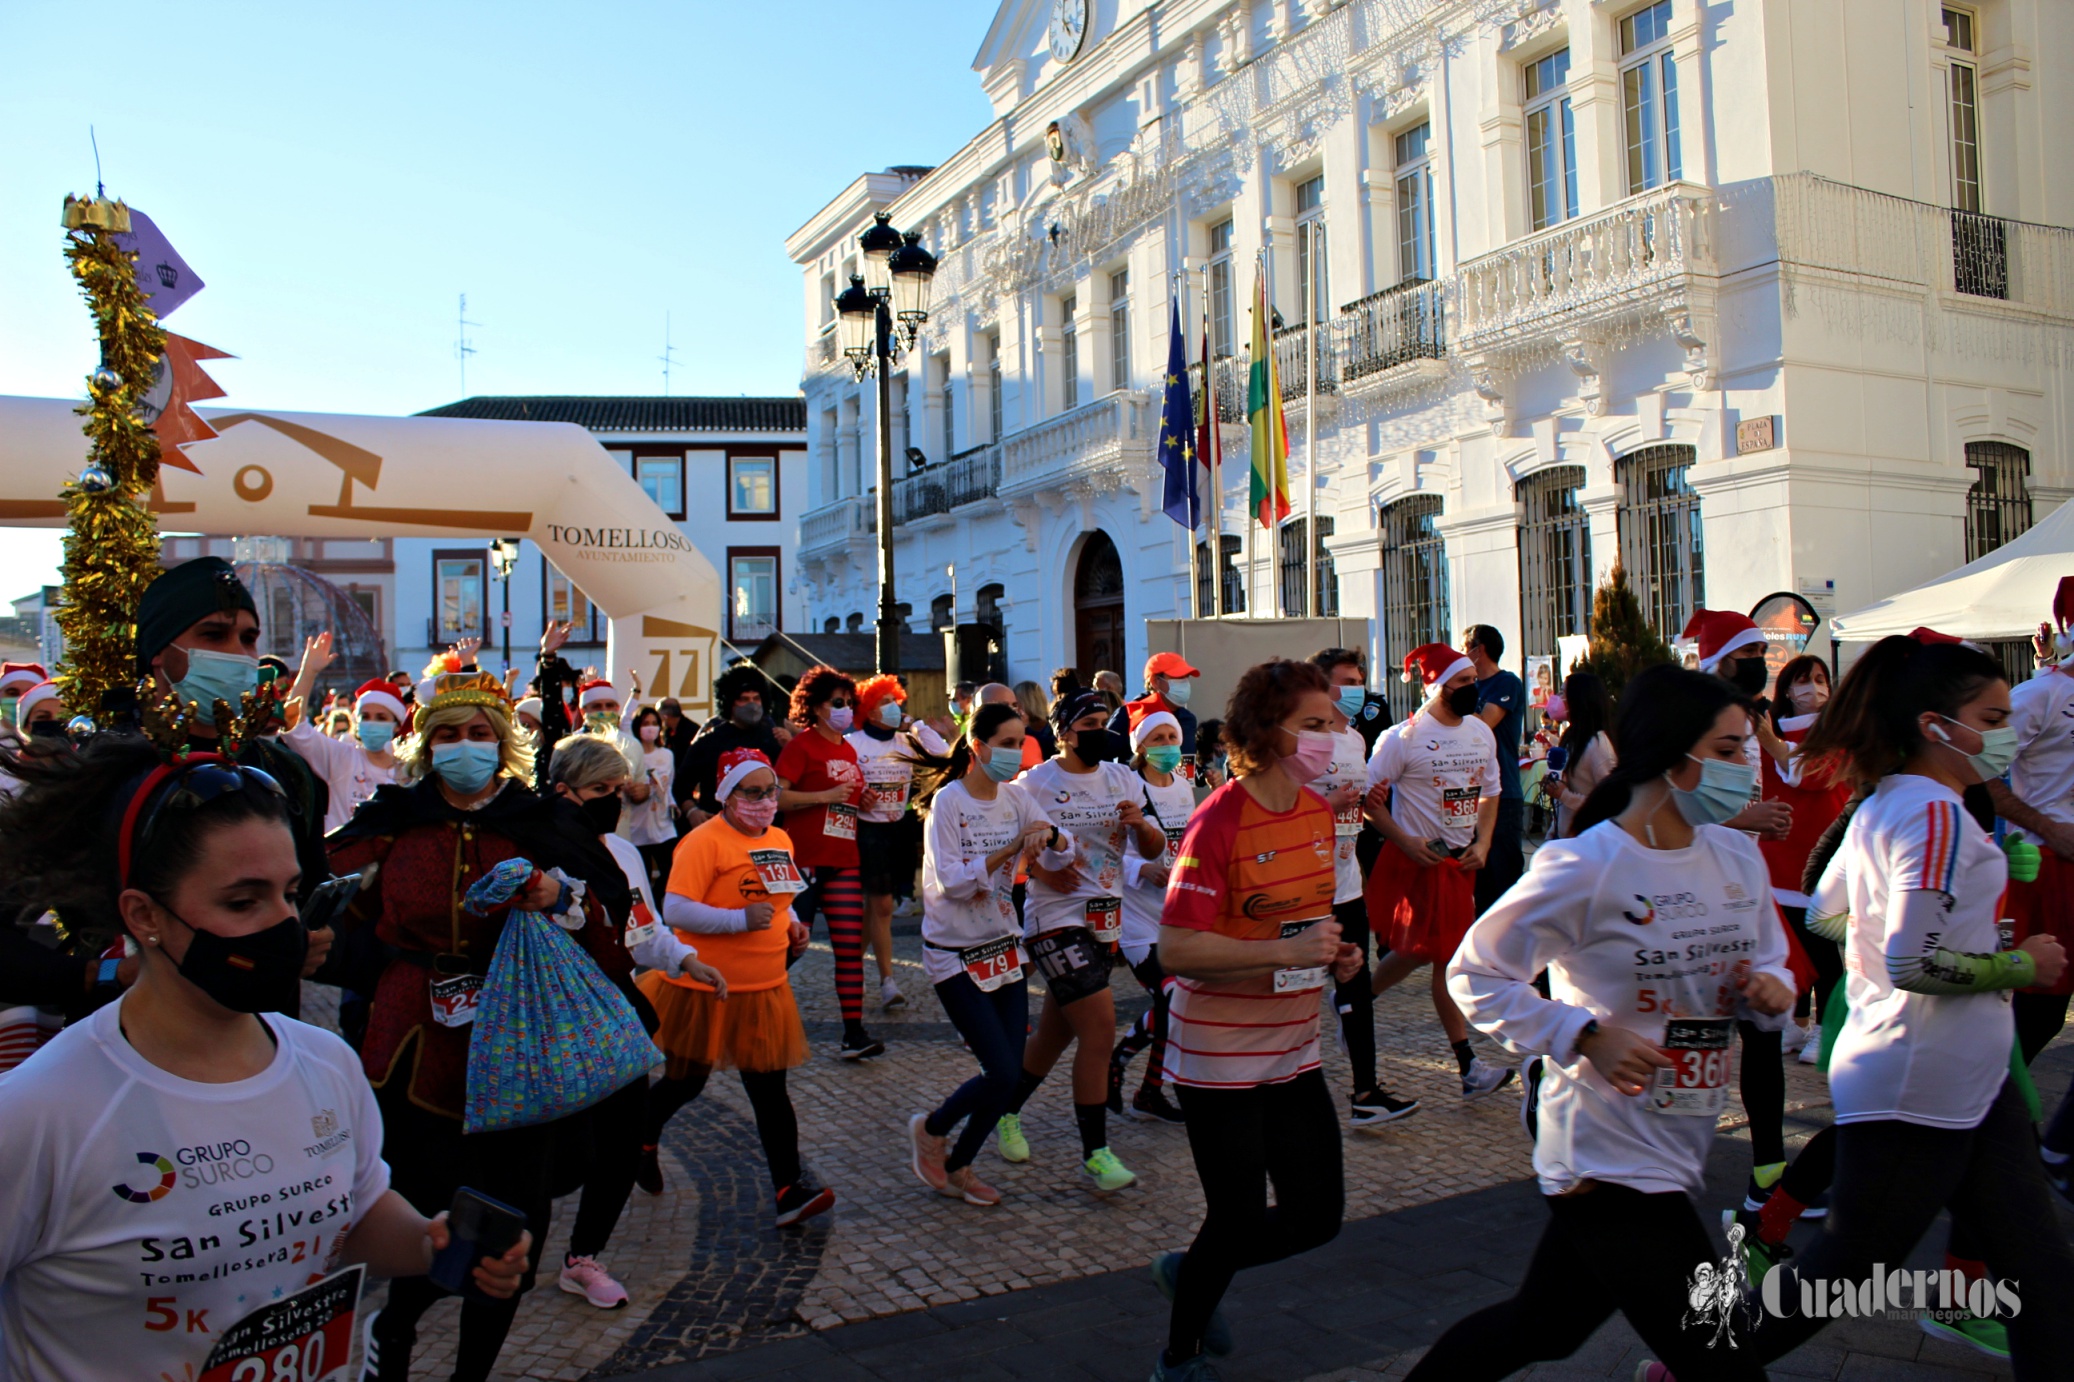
(621, 413)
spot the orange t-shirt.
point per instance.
(721, 867)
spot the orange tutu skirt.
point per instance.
(758, 1031)
(1419, 910)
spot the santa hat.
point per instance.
(592, 692)
(1144, 720)
(531, 705)
(36, 695)
(735, 765)
(874, 692)
(20, 676)
(1720, 632)
(2063, 618)
(381, 694)
(1435, 664)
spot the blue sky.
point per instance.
(339, 176)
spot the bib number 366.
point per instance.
(1696, 1085)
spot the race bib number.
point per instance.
(776, 869)
(306, 1337)
(884, 800)
(840, 823)
(1187, 768)
(1105, 917)
(993, 964)
(454, 999)
(1458, 804)
(1346, 822)
(1306, 977)
(641, 925)
(1696, 1085)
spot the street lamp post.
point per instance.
(882, 312)
(504, 554)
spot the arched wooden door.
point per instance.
(1098, 608)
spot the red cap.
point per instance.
(1720, 632)
(1434, 663)
(1170, 665)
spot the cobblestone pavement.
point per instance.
(709, 1275)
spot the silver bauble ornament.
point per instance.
(105, 380)
(80, 726)
(95, 480)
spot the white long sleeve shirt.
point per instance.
(964, 904)
(1168, 808)
(347, 769)
(1631, 937)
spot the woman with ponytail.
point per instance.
(1657, 929)
(980, 824)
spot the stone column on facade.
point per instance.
(1236, 32)
(1357, 559)
(1483, 567)
(1379, 212)
(1048, 385)
(1601, 505)
(1501, 125)
(1191, 70)
(1594, 91)
(959, 395)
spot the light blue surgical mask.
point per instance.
(376, 734)
(1178, 692)
(213, 677)
(1351, 699)
(1724, 789)
(1003, 764)
(468, 765)
(1163, 757)
(1998, 749)
(890, 714)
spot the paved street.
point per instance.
(900, 1283)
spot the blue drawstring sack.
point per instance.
(551, 1034)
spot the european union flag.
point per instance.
(1181, 498)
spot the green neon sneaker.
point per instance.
(1109, 1173)
(1008, 1135)
(1981, 1335)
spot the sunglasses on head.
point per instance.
(183, 787)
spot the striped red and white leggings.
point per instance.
(838, 895)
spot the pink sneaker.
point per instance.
(1650, 1371)
(928, 1152)
(963, 1184)
(582, 1276)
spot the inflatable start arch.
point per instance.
(339, 475)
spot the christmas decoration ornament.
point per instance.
(80, 726)
(104, 380)
(95, 480)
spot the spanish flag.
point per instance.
(1270, 489)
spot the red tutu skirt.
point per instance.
(2045, 907)
(1420, 910)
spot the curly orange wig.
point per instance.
(817, 685)
(874, 692)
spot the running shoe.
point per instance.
(1377, 1107)
(582, 1276)
(649, 1174)
(1151, 1105)
(928, 1152)
(1530, 1099)
(1794, 1038)
(1982, 1336)
(1484, 1078)
(965, 1184)
(1109, 1173)
(1166, 1273)
(1759, 1257)
(907, 907)
(1811, 1053)
(2061, 1176)
(1114, 1099)
(890, 996)
(1008, 1135)
(860, 1046)
(1196, 1369)
(1817, 1208)
(371, 1355)
(1758, 1192)
(796, 1202)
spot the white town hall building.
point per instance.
(1771, 296)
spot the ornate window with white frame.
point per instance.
(1069, 354)
(1555, 559)
(1551, 141)
(1313, 283)
(1120, 329)
(1415, 589)
(1414, 204)
(1660, 534)
(1649, 99)
(1222, 339)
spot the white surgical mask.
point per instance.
(1724, 789)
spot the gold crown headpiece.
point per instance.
(468, 688)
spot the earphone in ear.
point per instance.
(1940, 733)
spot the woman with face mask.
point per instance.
(650, 815)
(191, 1079)
(1656, 927)
(1589, 754)
(1073, 919)
(352, 769)
(980, 825)
(462, 807)
(1168, 800)
(819, 788)
(886, 845)
(731, 888)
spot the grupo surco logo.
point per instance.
(164, 1187)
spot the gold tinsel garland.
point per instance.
(111, 539)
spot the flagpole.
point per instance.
(1177, 284)
(1213, 431)
(1263, 267)
(1310, 428)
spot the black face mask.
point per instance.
(602, 812)
(47, 729)
(1462, 700)
(1097, 746)
(259, 973)
(1750, 675)
(746, 713)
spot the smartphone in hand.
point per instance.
(479, 1227)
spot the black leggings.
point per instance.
(1762, 1082)
(1892, 1178)
(2039, 1017)
(616, 1129)
(1243, 1140)
(1355, 999)
(995, 1025)
(429, 1160)
(776, 1124)
(1609, 1248)
(1827, 959)
(1150, 1030)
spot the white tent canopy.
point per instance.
(2006, 594)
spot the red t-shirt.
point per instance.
(823, 837)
